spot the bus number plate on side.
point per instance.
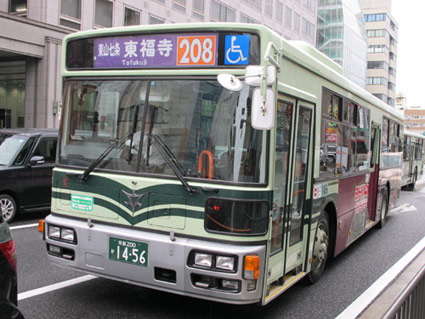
(128, 251)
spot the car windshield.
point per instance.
(202, 128)
(10, 148)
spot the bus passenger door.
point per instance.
(374, 172)
(292, 159)
(300, 191)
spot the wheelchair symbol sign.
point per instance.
(236, 49)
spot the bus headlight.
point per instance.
(67, 234)
(54, 232)
(225, 263)
(212, 261)
(203, 260)
(62, 234)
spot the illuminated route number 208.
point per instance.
(196, 50)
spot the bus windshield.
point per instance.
(203, 128)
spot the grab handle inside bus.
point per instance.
(201, 167)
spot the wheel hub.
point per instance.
(321, 247)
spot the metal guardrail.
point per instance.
(411, 303)
(403, 298)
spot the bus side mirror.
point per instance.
(262, 110)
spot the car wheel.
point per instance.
(7, 207)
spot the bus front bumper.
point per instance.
(168, 263)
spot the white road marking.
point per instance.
(406, 207)
(23, 226)
(59, 285)
(362, 302)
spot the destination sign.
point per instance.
(156, 51)
(164, 50)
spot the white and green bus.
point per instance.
(413, 159)
(217, 161)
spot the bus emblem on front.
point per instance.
(133, 200)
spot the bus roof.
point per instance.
(409, 133)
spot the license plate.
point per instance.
(128, 251)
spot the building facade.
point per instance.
(400, 102)
(382, 36)
(414, 119)
(341, 35)
(31, 36)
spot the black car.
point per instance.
(27, 157)
(8, 280)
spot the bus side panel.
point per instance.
(352, 210)
(391, 178)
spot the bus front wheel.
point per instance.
(320, 249)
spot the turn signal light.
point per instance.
(251, 266)
(41, 226)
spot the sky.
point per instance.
(409, 15)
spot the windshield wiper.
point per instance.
(118, 143)
(171, 160)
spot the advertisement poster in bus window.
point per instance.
(331, 135)
(156, 51)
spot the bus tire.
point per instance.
(384, 208)
(320, 249)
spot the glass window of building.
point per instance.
(377, 65)
(220, 12)
(376, 81)
(309, 4)
(377, 33)
(179, 5)
(12, 94)
(288, 17)
(393, 26)
(103, 15)
(296, 25)
(382, 97)
(254, 3)
(269, 8)
(326, 17)
(131, 17)
(155, 20)
(380, 48)
(279, 11)
(198, 9)
(308, 29)
(17, 6)
(246, 19)
(329, 2)
(71, 14)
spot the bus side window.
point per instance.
(406, 148)
(328, 148)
